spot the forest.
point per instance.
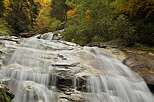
(127, 22)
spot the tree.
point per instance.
(21, 14)
(43, 21)
(140, 14)
(59, 9)
(89, 21)
(1, 8)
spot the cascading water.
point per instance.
(117, 83)
(28, 73)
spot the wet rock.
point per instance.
(26, 34)
(68, 93)
(57, 36)
(74, 97)
(142, 63)
(149, 78)
(63, 100)
(137, 62)
(70, 85)
(68, 43)
(62, 57)
(50, 36)
(151, 87)
(46, 36)
(13, 40)
(64, 84)
(7, 48)
(65, 64)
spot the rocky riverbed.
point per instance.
(68, 64)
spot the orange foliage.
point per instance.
(43, 19)
(71, 13)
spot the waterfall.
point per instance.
(44, 70)
(117, 83)
(28, 70)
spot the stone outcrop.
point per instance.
(143, 63)
(8, 44)
(26, 34)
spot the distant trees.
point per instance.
(21, 14)
(59, 9)
(140, 15)
(43, 20)
(91, 22)
(1, 8)
(128, 21)
(86, 21)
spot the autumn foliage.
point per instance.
(130, 22)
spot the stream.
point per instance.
(45, 69)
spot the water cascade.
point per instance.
(117, 83)
(29, 73)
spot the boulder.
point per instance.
(143, 64)
(26, 34)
